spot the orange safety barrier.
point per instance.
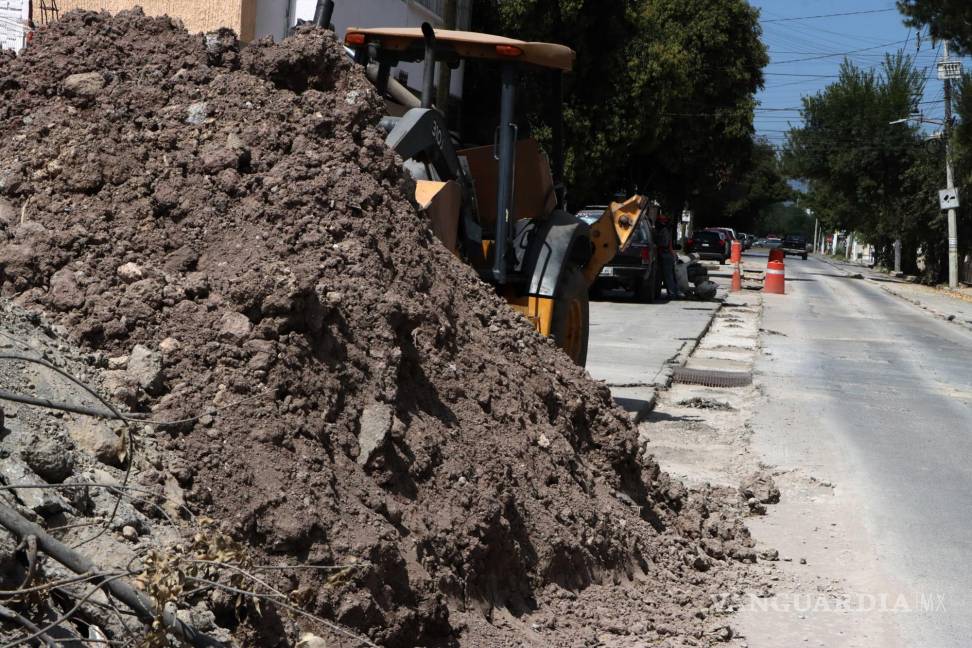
(736, 252)
(775, 278)
(776, 254)
(736, 279)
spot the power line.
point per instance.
(833, 15)
(825, 56)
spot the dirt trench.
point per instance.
(342, 388)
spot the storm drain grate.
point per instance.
(709, 378)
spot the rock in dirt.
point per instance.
(8, 554)
(49, 458)
(97, 438)
(130, 272)
(376, 423)
(9, 215)
(85, 84)
(235, 327)
(65, 292)
(145, 368)
(761, 487)
(268, 162)
(44, 501)
(308, 640)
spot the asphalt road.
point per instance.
(865, 386)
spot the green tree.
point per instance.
(784, 218)
(646, 70)
(758, 184)
(962, 157)
(864, 174)
(946, 19)
(704, 142)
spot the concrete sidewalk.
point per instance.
(635, 347)
(951, 305)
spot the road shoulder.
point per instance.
(950, 305)
(814, 558)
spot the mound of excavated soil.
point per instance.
(237, 212)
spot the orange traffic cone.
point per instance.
(736, 279)
(775, 278)
(776, 254)
(736, 252)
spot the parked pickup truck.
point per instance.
(795, 244)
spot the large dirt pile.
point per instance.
(236, 214)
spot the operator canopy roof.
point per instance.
(410, 42)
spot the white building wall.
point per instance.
(13, 23)
(274, 17)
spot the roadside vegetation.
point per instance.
(662, 100)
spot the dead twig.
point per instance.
(286, 606)
(53, 585)
(65, 616)
(241, 572)
(121, 590)
(10, 615)
(116, 487)
(31, 542)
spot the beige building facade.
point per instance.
(258, 18)
(198, 15)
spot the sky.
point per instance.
(806, 53)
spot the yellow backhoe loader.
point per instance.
(499, 207)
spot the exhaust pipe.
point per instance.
(428, 80)
(324, 13)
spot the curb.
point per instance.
(663, 380)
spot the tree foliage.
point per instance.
(661, 99)
(758, 184)
(946, 19)
(865, 174)
(784, 218)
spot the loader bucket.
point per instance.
(613, 232)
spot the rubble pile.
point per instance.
(225, 235)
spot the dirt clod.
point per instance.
(760, 487)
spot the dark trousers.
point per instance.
(668, 274)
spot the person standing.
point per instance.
(666, 254)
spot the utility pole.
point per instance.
(946, 73)
(450, 12)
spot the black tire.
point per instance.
(644, 288)
(570, 323)
(596, 291)
(722, 261)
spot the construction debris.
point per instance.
(322, 377)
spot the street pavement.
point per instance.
(953, 305)
(633, 347)
(875, 391)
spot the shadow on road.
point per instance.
(656, 417)
(831, 276)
